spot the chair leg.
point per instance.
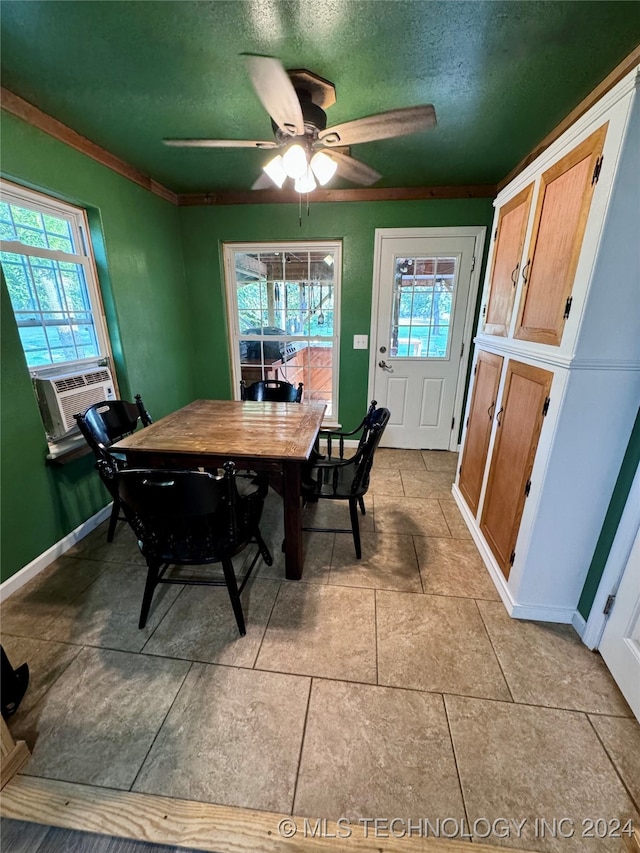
(355, 525)
(361, 504)
(232, 588)
(149, 587)
(262, 546)
(115, 515)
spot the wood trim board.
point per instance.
(204, 826)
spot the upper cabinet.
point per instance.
(510, 231)
(562, 209)
(550, 225)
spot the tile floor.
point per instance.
(395, 686)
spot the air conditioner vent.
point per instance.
(69, 383)
(97, 376)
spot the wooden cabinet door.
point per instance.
(519, 422)
(512, 226)
(481, 411)
(563, 206)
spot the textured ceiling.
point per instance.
(500, 74)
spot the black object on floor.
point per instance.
(14, 683)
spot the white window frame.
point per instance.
(77, 219)
(229, 252)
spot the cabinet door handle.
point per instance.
(524, 271)
(490, 409)
(499, 422)
(514, 274)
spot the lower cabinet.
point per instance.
(525, 400)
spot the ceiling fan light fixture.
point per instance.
(294, 161)
(306, 183)
(276, 171)
(324, 168)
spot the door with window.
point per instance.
(422, 312)
(283, 305)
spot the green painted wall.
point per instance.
(136, 236)
(612, 520)
(205, 229)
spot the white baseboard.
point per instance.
(579, 623)
(534, 612)
(25, 574)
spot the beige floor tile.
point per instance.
(387, 457)
(417, 516)
(47, 597)
(385, 481)
(317, 549)
(321, 630)
(427, 484)
(106, 614)
(440, 460)
(547, 664)
(232, 737)
(621, 739)
(46, 660)
(453, 567)
(376, 752)
(388, 562)
(181, 633)
(435, 643)
(123, 548)
(523, 762)
(455, 522)
(97, 722)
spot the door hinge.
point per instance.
(453, 420)
(495, 234)
(545, 408)
(567, 307)
(512, 558)
(462, 349)
(473, 263)
(467, 422)
(484, 309)
(608, 604)
(596, 170)
(475, 369)
(527, 489)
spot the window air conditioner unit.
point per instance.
(61, 397)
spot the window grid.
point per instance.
(46, 268)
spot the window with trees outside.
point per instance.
(283, 304)
(48, 266)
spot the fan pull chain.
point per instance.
(299, 210)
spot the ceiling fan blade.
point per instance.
(354, 170)
(264, 182)
(219, 143)
(381, 126)
(275, 90)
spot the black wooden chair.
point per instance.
(271, 391)
(102, 425)
(187, 518)
(334, 441)
(346, 479)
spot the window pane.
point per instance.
(421, 307)
(286, 298)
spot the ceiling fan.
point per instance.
(311, 151)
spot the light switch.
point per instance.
(360, 341)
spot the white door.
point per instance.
(422, 314)
(620, 643)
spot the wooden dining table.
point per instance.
(275, 438)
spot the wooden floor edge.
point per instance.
(219, 829)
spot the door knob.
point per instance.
(383, 364)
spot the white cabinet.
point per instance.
(556, 386)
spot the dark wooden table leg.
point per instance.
(293, 554)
